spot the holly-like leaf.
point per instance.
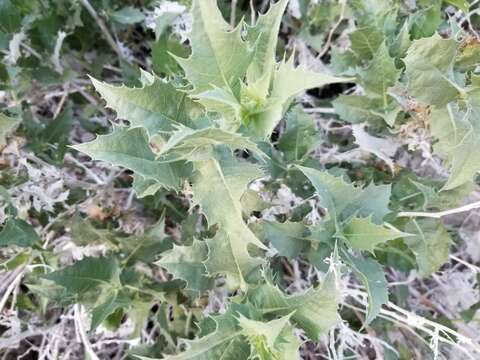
(87, 274)
(344, 200)
(428, 65)
(263, 37)
(380, 74)
(366, 41)
(457, 132)
(129, 148)
(18, 232)
(157, 106)
(112, 300)
(430, 244)
(186, 263)
(300, 137)
(194, 145)
(270, 340)
(287, 238)
(288, 81)
(220, 56)
(227, 250)
(315, 310)
(371, 274)
(224, 341)
(364, 235)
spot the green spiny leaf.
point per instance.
(227, 250)
(219, 55)
(428, 65)
(186, 263)
(156, 106)
(129, 148)
(364, 235)
(18, 232)
(430, 244)
(371, 274)
(315, 311)
(87, 274)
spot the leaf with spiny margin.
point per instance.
(194, 145)
(456, 127)
(444, 199)
(218, 190)
(427, 67)
(366, 41)
(147, 246)
(220, 56)
(157, 106)
(300, 137)
(364, 235)
(344, 200)
(380, 74)
(263, 37)
(18, 232)
(186, 263)
(287, 238)
(315, 310)
(145, 187)
(108, 303)
(358, 109)
(87, 274)
(7, 125)
(129, 148)
(225, 341)
(430, 244)
(372, 275)
(270, 340)
(288, 81)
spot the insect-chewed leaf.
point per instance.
(315, 311)
(87, 274)
(186, 263)
(155, 106)
(129, 148)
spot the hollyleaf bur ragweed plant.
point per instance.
(231, 128)
(236, 95)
